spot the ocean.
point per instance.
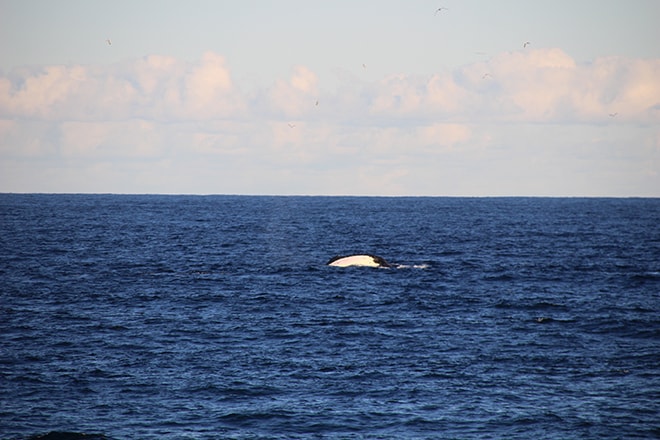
(216, 317)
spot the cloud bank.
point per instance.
(160, 124)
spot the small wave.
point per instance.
(63, 435)
(544, 305)
(644, 277)
(543, 320)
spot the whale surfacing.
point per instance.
(358, 260)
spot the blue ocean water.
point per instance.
(206, 317)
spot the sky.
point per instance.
(359, 97)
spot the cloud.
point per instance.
(488, 124)
(209, 91)
(549, 86)
(295, 97)
(542, 85)
(156, 87)
(115, 139)
(539, 86)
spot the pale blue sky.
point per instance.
(221, 97)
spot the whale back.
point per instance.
(358, 260)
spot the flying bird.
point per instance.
(108, 41)
(291, 125)
(613, 114)
(440, 10)
(527, 43)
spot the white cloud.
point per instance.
(209, 92)
(487, 125)
(446, 136)
(295, 97)
(118, 139)
(548, 86)
(543, 85)
(156, 87)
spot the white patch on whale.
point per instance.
(358, 260)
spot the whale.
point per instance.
(358, 260)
